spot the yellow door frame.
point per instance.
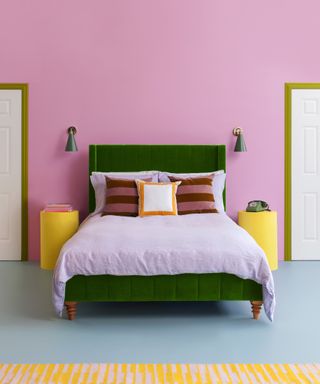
(24, 163)
(288, 170)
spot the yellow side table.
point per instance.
(55, 229)
(262, 226)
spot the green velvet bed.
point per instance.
(184, 287)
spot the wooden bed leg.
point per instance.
(71, 309)
(256, 308)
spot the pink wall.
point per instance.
(157, 71)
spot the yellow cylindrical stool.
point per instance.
(55, 229)
(262, 226)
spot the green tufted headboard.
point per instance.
(171, 158)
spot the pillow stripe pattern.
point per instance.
(195, 195)
(121, 197)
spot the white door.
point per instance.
(305, 206)
(10, 174)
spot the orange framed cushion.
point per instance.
(157, 198)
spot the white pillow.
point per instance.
(98, 182)
(218, 184)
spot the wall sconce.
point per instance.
(240, 143)
(71, 143)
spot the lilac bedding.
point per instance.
(162, 245)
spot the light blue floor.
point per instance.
(224, 332)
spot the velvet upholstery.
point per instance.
(184, 287)
(170, 158)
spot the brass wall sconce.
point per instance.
(71, 145)
(240, 143)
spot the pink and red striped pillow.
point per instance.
(195, 195)
(121, 197)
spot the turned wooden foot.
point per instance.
(71, 309)
(256, 308)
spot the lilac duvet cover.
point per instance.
(162, 245)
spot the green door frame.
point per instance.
(287, 194)
(24, 163)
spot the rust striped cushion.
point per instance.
(195, 195)
(121, 197)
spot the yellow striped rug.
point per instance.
(159, 373)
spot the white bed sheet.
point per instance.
(162, 245)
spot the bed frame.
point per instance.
(184, 287)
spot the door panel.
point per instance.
(305, 174)
(10, 174)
